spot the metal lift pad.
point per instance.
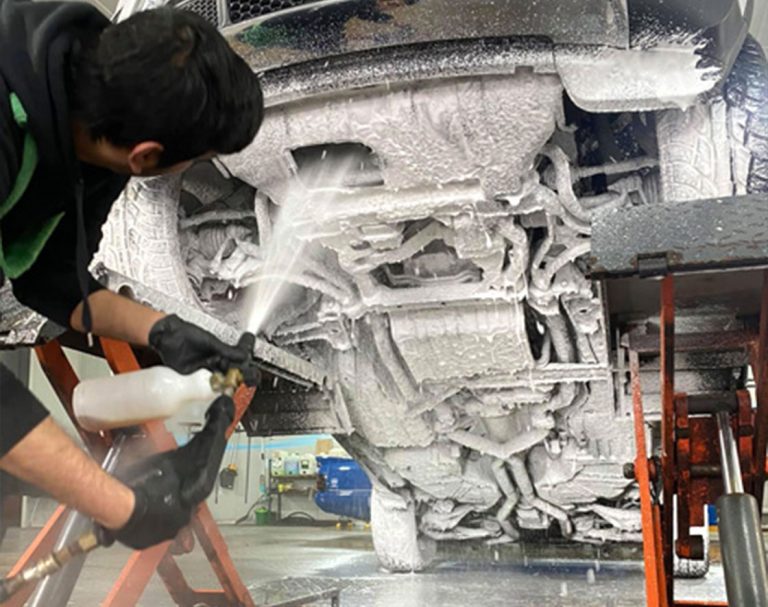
(654, 240)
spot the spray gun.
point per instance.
(149, 394)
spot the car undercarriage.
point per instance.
(443, 293)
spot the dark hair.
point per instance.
(166, 75)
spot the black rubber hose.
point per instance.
(263, 499)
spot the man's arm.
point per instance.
(49, 459)
(161, 493)
(181, 345)
(117, 317)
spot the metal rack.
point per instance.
(273, 481)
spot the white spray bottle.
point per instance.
(157, 393)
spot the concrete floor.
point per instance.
(488, 578)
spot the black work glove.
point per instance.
(168, 486)
(185, 348)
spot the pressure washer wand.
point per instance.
(48, 565)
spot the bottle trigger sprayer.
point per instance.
(151, 394)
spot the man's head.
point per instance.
(159, 90)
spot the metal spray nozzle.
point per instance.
(227, 384)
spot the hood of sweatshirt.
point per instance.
(37, 40)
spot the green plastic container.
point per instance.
(262, 516)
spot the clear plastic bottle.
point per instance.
(129, 399)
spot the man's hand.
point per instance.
(186, 348)
(182, 346)
(168, 486)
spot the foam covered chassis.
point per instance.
(637, 41)
(597, 22)
(688, 470)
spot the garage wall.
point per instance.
(228, 505)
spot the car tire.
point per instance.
(133, 225)
(396, 538)
(719, 148)
(745, 95)
(694, 153)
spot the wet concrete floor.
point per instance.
(507, 577)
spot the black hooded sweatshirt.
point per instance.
(37, 42)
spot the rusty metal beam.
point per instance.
(135, 576)
(215, 548)
(655, 587)
(181, 592)
(687, 546)
(667, 343)
(243, 398)
(696, 342)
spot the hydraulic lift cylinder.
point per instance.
(743, 552)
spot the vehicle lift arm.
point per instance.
(713, 446)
